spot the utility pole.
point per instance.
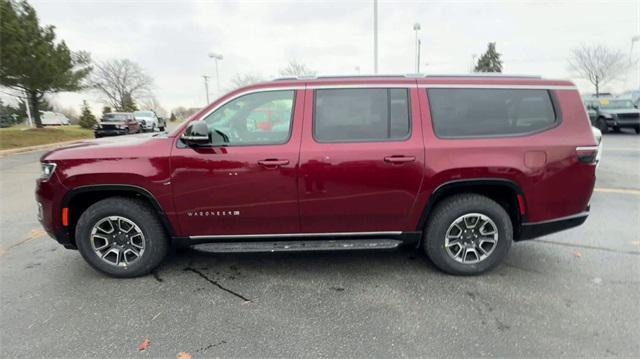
(206, 86)
(419, 48)
(375, 36)
(634, 40)
(27, 105)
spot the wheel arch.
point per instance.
(505, 192)
(80, 198)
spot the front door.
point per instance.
(362, 160)
(249, 184)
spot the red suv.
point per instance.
(458, 165)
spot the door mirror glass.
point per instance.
(196, 134)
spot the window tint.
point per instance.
(490, 112)
(261, 118)
(361, 115)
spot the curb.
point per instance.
(13, 151)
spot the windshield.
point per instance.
(143, 114)
(110, 117)
(609, 104)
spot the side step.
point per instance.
(295, 246)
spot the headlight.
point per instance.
(47, 170)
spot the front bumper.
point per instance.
(623, 122)
(49, 197)
(110, 132)
(539, 229)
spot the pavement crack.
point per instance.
(585, 246)
(205, 277)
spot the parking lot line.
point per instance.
(618, 190)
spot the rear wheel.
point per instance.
(638, 130)
(121, 237)
(468, 234)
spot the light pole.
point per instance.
(375, 36)
(416, 28)
(206, 86)
(216, 57)
(634, 40)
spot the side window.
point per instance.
(343, 115)
(490, 112)
(261, 118)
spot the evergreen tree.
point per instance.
(106, 110)
(490, 60)
(128, 104)
(173, 117)
(87, 119)
(32, 61)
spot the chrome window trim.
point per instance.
(280, 235)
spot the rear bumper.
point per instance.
(539, 229)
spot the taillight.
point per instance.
(587, 154)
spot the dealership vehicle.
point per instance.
(459, 166)
(150, 121)
(116, 124)
(606, 113)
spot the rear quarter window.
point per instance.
(491, 112)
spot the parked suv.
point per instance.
(609, 113)
(116, 124)
(459, 166)
(150, 121)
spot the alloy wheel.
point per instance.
(117, 241)
(471, 238)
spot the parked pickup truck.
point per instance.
(116, 124)
(459, 166)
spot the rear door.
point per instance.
(249, 186)
(361, 160)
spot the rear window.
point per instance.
(490, 112)
(352, 115)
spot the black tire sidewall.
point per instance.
(156, 241)
(448, 211)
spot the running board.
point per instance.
(295, 246)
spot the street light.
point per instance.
(416, 28)
(206, 86)
(216, 57)
(634, 40)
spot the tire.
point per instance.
(161, 128)
(441, 222)
(602, 125)
(638, 130)
(153, 240)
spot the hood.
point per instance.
(114, 147)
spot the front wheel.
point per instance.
(602, 125)
(121, 237)
(468, 234)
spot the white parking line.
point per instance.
(618, 190)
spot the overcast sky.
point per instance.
(171, 39)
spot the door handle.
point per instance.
(273, 162)
(399, 159)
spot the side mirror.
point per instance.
(196, 134)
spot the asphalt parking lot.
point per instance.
(572, 294)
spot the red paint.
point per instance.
(521, 205)
(338, 187)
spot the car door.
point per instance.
(247, 186)
(361, 161)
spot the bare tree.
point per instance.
(151, 103)
(120, 83)
(598, 64)
(296, 69)
(240, 80)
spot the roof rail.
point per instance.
(410, 75)
(486, 74)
